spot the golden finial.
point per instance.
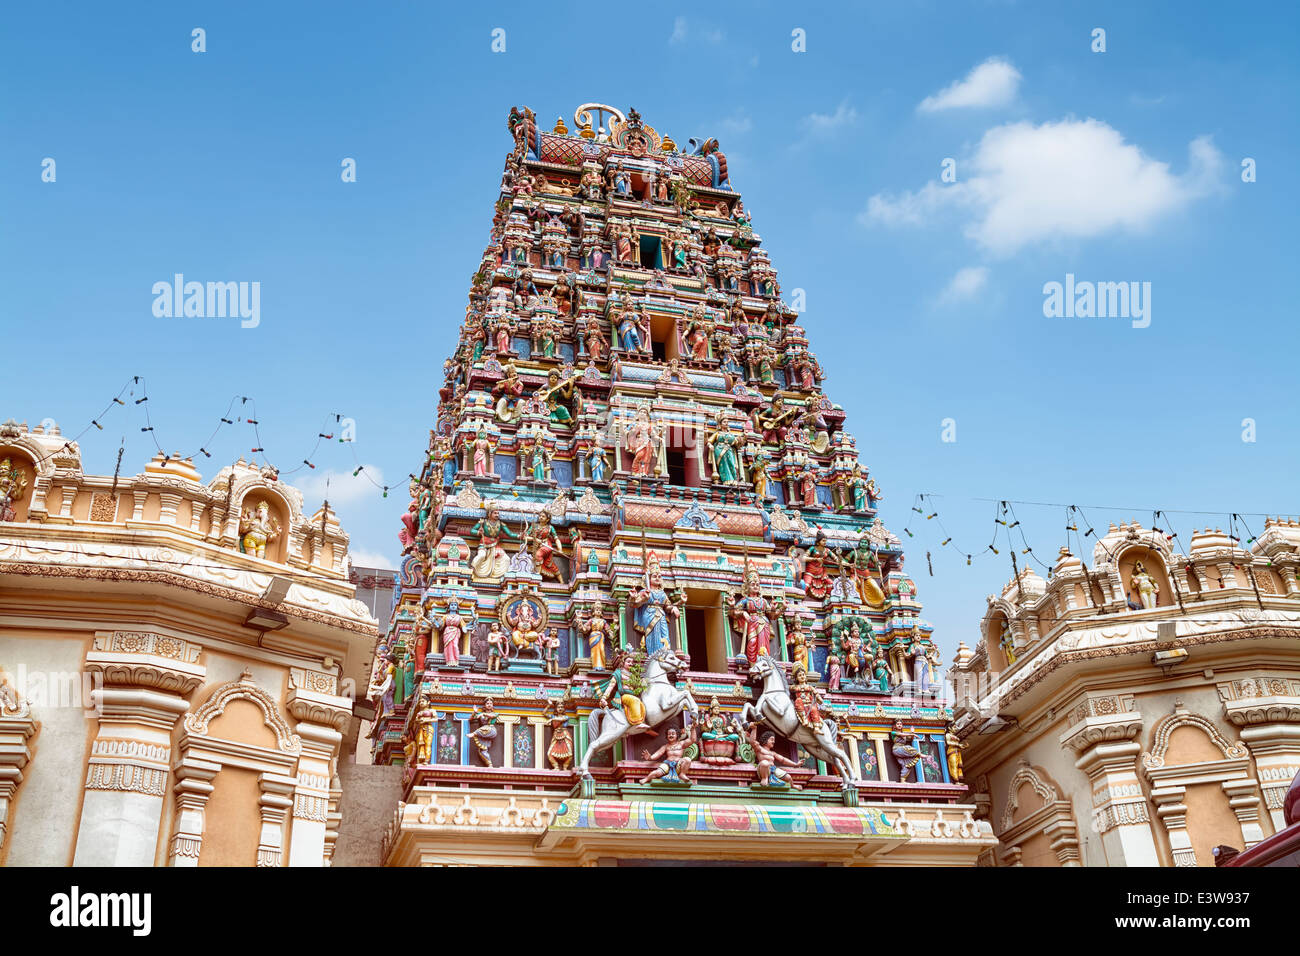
(667, 145)
(560, 128)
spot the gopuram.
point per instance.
(646, 609)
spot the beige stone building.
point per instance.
(179, 663)
(1142, 711)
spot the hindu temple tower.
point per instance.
(641, 541)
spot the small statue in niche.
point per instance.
(599, 464)
(452, 627)
(907, 752)
(674, 763)
(956, 773)
(595, 629)
(550, 645)
(1148, 590)
(560, 753)
(486, 732)
(483, 447)
(496, 641)
(423, 725)
(257, 529)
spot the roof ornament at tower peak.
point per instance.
(582, 118)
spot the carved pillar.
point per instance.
(321, 718)
(146, 679)
(1173, 814)
(275, 803)
(1103, 735)
(333, 819)
(17, 727)
(1267, 709)
(193, 787)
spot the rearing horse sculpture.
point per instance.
(775, 708)
(662, 700)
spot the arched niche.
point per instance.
(281, 514)
(18, 476)
(1153, 563)
(996, 624)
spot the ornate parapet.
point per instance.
(459, 826)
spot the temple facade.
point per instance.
(646, 610)
(178, 663)
(1143, 710)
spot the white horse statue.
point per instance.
(775, 708)
(662, 700)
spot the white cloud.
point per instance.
(679, 31)
(735, 125)
(362, 558)
(344, 489)
(844, 115)
(993, 83)
(1060, 180)
(965, 285)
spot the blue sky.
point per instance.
(924, 302)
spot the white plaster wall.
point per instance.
(48, 805)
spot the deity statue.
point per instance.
(652, 609)
(908, 753)
(1008, 645)
(257, 529)
(721, 736)
(750, 615)
(798, 641)
(486, 732)
(599, 464)
(543, 543)
(640, 442)
(483, 447)
(13, 485)
(597, 346)
(593, 188)
(528, 633)
(723, 444)
(422, 723)
(560, 753)
(775, 422)
(555, 394)
(816, 579)
(808, 486)
(880, 671)
(451, 628)
(758, 475)
(698, 332)
(766, 759)
(490, 562)
(1148, 590)
(595, 629)
(538, 461)
(625, 686)
(953, 748)
(423, 634)
(834, 672)
(807, 699)
(674, 763)
(550, 645)
(496, 641)
(630, 332)
(508, 391)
